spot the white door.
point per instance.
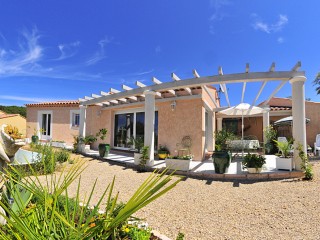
(45, 126)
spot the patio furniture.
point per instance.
(246, 144)
(317, 145)
(284, 139)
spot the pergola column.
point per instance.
(83, 116)
(219, 124)
(211, 128)
(265, 122)
(298, 117)
(149, 119)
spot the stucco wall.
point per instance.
(186, 120)
(97, 119)
(16, 121)
(61, 128)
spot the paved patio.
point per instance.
(205, 168)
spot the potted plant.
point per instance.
(253, 162)
(182, 163)
(163, 152)
(104, 148)
(270, 135)
(144, 159)
(87, 140)
(285, 160)
(138, 145)
(35, 137)
(221, 156)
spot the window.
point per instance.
(74, 118)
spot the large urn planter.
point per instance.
(137, 158)
(284, 163)
(104, 150)
(178, 164)
(221, 161)
(34, 139)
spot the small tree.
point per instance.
(316, 82)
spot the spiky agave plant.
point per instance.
(46, 219)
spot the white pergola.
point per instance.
(183, 89)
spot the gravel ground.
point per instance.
(286, 209)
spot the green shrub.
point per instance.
(46, 160)
(253, 161)
(51, 216)
(305, 164)
(62, 156)
(180, 236)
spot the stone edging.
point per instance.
(206, 176)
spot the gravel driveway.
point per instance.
(286, 209)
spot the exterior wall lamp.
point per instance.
(173, 105)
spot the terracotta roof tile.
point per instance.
(56, 103)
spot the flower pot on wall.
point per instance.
(254, 170)
(284, 163)
(178, 164)
(162, 155)
(221, 161)
(104, 150)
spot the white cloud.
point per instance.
(27, 99)
(218, 14)
(25, 58)
(100, 54)
(280, 40)
(267, 27)
(67, 50)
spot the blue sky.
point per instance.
(55, 50)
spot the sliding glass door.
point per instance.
(131, 125)
(123, 129)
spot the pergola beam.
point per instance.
(176, 78)
(247, 67)
(213, 99)
(104, 93)
(156, 81)
(211, 96)
(95, 95)
(224, 86)
(88, 98)
(140, 84)
(259, 93)
(195, 73)
(112, 90)
(192, 82)
(126, 88)
(275, 92)
(272, 67)
(296, 67)
(243, 91)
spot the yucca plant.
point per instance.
(46, 219)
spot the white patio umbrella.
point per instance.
(287, 121)
(242, 109)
